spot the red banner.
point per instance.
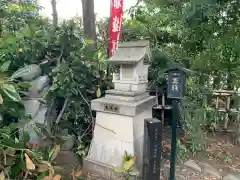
(116, 19)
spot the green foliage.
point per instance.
(194, 115)
(17, 160)
(128, 163)
(10, 100)
(202, 36)
(182, 151)
(60, 51)
(15, 16)
(70, 81)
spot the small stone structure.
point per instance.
(39, 86)
(120, 114)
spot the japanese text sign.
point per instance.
(176, 84)
(115, 24)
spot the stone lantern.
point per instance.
(120, 115)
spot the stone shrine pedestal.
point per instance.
(120, 115)
(119, 127)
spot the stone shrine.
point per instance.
(120, 114)
(33, 103)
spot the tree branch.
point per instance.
(62, 111)
(132, 7)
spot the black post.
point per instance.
(174, 139)
(152, 149)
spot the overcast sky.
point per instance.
(69, 8)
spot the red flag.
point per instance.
(116, 19)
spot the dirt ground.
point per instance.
(221, 154)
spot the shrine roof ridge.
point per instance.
(131, 52)
(132, 44)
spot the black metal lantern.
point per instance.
(176, 81)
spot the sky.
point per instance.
(70, 8)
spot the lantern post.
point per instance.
(176, 81)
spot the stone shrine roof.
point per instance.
(131, 53)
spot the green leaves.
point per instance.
(54, 152)
(11, 92)
(5, 66)
(88, 42)
(128, 163)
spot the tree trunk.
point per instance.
(54, 12)
(89, 22)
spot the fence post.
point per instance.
(152, 149)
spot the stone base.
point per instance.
(119, 128)
(127, 98)
(99, 171)
(130, 86)
(124, 93)
(114, 134)
(125, 108)
(120, 131)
